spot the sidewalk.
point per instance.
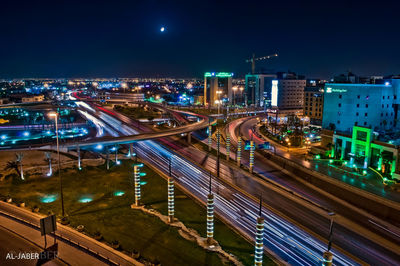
(74, 248)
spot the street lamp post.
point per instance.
(241, 93)
(219, 100)
(234, 95)
(55, 115)
(328, 256)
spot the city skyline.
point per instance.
(96, 39)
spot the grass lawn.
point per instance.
(91, 200)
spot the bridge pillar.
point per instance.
(108, 158)
(189, 137)
(130, 150)
(78, 151)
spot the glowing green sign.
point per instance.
(330, 90)
(218, 74)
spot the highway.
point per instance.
(236, 203)
(292, 244)
(245, 126)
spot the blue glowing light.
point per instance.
(99, 146)
(48, 198)
(119, 193)
(85, 199)
(26, 134)
(162, 29)
(3, 137)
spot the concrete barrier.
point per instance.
(376, 205)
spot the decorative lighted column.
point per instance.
(78, 151)
(239, 151)
(136, 175)
(171, 198)
(209, 137)
(228, 145)
(251, 164)
(218, 146)
(259, 246)
(210, 215)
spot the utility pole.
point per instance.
(328, 256)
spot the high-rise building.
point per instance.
(368, 105)
(259, 89)
(283, 90)
(217, 88)
(314, 101)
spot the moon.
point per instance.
(162, 29)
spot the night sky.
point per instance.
(123, 39)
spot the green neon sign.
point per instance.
(218, 74)
(330, 90)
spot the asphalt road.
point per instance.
(291, 243)
(18, 246)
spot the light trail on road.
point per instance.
(290, 243)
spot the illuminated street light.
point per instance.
(55, 116)
(218, 102)
(124, 85)
(234, 88)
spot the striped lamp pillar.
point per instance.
(171, 198)
(136, 174)
(210, 218)
(209, 137)
(239, 151)
(228, 145)
(259, 248)
(251, 164)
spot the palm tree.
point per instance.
(49, 160)
(19, 157)
(12, 165)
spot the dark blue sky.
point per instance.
(123, 39)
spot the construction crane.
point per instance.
(254, 59)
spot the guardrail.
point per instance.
(71, 242)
